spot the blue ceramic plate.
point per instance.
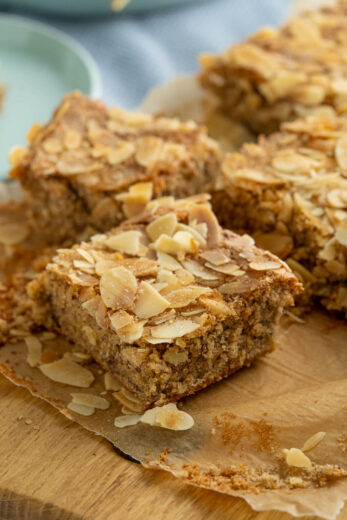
(89, 7)
(38, 65)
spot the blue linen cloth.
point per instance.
(137, 52)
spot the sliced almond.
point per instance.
(81, 409)
(158, 341)
(215, 257)
(136, 198)
(175, 357)
(201, 213)
(127, 242)
(94, 401)
(95, 307)
(120, 153)
(185, 296)
(341, 152)
(68, 373)
(13, 233)
(167, 261)
(295, 457)
(341, 235)
(149, 301)
(225, 269)
(34, 347)
(168, 416)
(177, 329)
(121, 319)
(131, 333)
(313, 441)
(181, 242)
(199, 271)
(148, 150)
(337, 198)
(126, 420)
(77, 357)
(186, 241)
(192, 231)
(164, 225)
(264, 266)
(118, 288)
(86, 255)
(110, 382)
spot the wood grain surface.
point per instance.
(52, 469)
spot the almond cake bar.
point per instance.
(168, 302)
(91, 166)
(289, 191)
(278, 75)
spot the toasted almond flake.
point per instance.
(72, 139)
(136, 198)
(87, 256)
(186, 242)
(121, 319)
(279, 244)
(202, 214)
(168, 416)
(91, 400)
(127, 242)
(77, 357)
(148, 150)
(126, 420)
(264, 266)
(175, 357)
(149, 301)
(34, 347)
(83, 266)
(336, 198)
(300, 270)
(215, 257)
(192, 231)
(97, 309)
(17, 154)
(110, 382)
(341, 152)
(178, 244)
(81, 409)
(167, 261)
(341, 235)
(68, 373)
(185, 296)
(214, 306)
(164, 225)
(313, 441)
(131, 405)
(118, 288)
(296, 458)
(177, 329)
(90, 334)
(193, 312)
(157, 341)
(123, 151)
(131, 333)
(33, 132)
(199, 271)
(225, 269)
(52, 145)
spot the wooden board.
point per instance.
(52, 469)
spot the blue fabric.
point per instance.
(137, 52)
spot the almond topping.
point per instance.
(120, 319)
(175, 357)
(185, 296)
(81, 409)
(68, 373)
(341, 152)
(136, 198)
(168, 416)
(167, 261)
(34, 350)
(131, 333)
(118, 288)
(341, 235)
(127, 242)
(313, 441)
(123, 151)
(264, 266)
(164, 225)
(126, 420)
(94, 401)
(203, 214)
(225, 269)
(177, 329)
(295, 457)
(199, 271)
(148, 150)
(215, 257)
(149, 302)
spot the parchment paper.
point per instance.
(243, 423)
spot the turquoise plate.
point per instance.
(89, 7)
(38, 65)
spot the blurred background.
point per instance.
(50, 47)
(139, 48)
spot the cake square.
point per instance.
(168, 302)
(289, 191)
(91, 167)
(277, 75)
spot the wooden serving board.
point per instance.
(52, 469)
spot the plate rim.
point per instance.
(65, 40)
